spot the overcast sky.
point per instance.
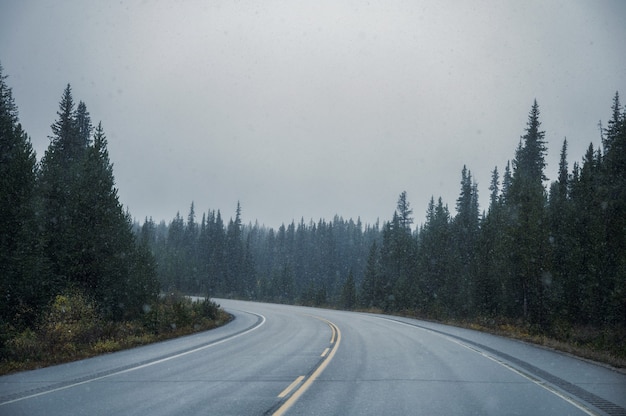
(314, 108)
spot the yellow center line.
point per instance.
(318, 371)
(325, 352)
(334, 332)
(291, 387)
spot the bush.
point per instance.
(72, 319)
(174, 312)
(74, 328)
(25, 344)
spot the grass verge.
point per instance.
(73, 329)
(602, 345)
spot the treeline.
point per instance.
(542, 255)
(304, 263)
(63, 229)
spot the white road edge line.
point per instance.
(128, 370)
(535, 380)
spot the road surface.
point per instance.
(277, 359)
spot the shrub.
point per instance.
(72, 320)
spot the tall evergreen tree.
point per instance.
(564, 291)
(59, 190)
(87, 236)
(20, 270)
(465, 234)
(434, 260)
(348, 293)
(493, 251)
(613, 196)
(527, 202)
(119, 272)
(372, 290)
(405, 213)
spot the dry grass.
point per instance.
(73, 330)
(602, 345)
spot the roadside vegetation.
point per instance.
(600, 345)
(603, 345)
(72, 328)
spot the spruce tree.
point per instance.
(434, 261)
(613, 196)
(372, 291)
(348, 293)
(59, 185)
(465, 234)
(87, 236)
(526, 201)
(121, 272)
(20, 268)
(565, 288)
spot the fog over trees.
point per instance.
(541, 253)
(551, 255)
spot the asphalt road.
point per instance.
(276, 359)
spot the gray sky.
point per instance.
(311, 109)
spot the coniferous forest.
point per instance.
(544, 255)
(74, 280)
(547, 256)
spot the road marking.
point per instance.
(325, 352)
(530, 377)
(291, 387)
(536, 380)
(336, 340)
(128, 370)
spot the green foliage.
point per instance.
(67, 251)
(86, 233)
(20, 254)
(73, 327)
(348, 294)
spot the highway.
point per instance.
(278, 359)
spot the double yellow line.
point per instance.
(335, 340)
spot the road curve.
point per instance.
(277, 359)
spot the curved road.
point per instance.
(277, 359)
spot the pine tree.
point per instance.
(235, 255)
(83, 125)
(87, 236)
(348, 293)
(434, 260)
(565, 287)
(613, 197)
(612, 132)
(59, 184)
(20, 268)
(465, 234)
(587, 272)
(526, 201)
(372, 291)
(404, 212)
(494, 187)
(398, 259)
(120, 271)
(493, 251)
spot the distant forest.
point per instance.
(550, 257)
